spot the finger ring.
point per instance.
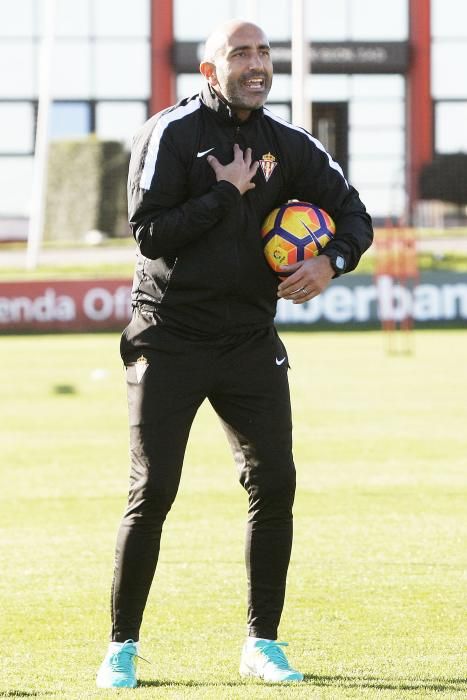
(305, 291)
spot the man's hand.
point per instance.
(305, 279)
(239, 172)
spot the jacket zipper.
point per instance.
(237, 256)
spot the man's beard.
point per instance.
(238, 100)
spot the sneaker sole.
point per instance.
(110, 687)
(103, 685)
(247, 673)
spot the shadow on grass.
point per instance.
(436, 684)
(23, 693)
(188, 684)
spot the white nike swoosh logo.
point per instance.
(200, 154)
(280, 362)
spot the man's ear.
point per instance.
(208, 69)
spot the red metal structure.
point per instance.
(419, 103)
(162, 71)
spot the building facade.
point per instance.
(387, 88)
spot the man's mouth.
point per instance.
(255, 84)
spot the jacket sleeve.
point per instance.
(321, 181)
(162, 217)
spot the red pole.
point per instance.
(162, 74)
(419, 102)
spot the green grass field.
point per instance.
(377, 585)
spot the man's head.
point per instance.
(237, 64)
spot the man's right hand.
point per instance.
(239, 172)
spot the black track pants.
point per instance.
(245, 380)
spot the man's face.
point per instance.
(243, 70)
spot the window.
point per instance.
(377, 142)
(71, 73)
(448, 69)
(451, 127)
(328, 22)
(281, 110)
(377, 86)
(17, 18)
(281, 88)
(449, 18)
(17, 132)
(122, 18)
(373, 21)
(15, 186)
(122, 69)
(275, 19)
(328, 87)
(371, 114)
(119, 120)
(17, 72)
(381, 141)
(190, 23)
(73, 19)
(382, 202)
(70, 120)
(380, 170)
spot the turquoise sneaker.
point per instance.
(118, 670)
(266, 660)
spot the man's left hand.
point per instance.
(305, 279)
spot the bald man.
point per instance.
(203, 176)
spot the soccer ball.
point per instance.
(295, 231)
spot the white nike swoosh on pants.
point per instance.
(280, 362)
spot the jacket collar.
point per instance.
(222, 109)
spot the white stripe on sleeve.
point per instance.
(156, 136)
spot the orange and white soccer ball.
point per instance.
(295, 231)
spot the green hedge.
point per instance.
(86, 189)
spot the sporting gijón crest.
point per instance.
(268, 164)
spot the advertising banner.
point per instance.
(354, 301)
(436, 298)
(65, 305)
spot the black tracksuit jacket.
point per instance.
(200, 270)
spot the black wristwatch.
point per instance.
(337, 260)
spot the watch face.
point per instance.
(340, 263)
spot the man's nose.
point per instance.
(256, 60)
